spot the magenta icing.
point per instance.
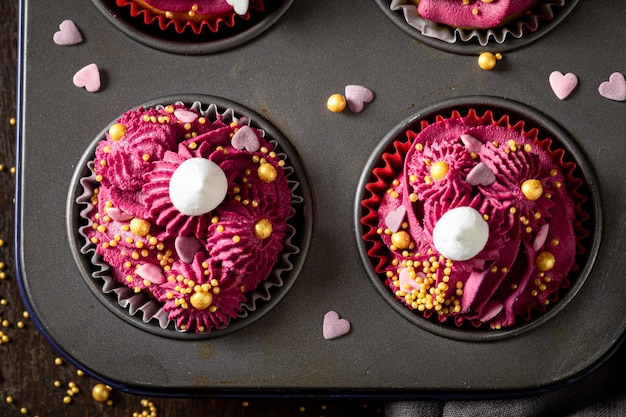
(199, 267)
(513, 272)
(541, 13)
(184, 6)
(471, 13)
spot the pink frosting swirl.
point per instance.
(506, 192)
(122, 163)
(195, 300)
(184, 6)
(249, 232)
(477, 14)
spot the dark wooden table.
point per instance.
(33, 380)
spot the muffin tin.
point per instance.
(285, 74)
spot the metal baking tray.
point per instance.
(285, 73)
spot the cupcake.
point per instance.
(477, 20)
(191, 16)
(188, 215)
(473, 221)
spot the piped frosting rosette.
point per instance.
(475, 221)
(188, 215)
(467, 29)
(191, 16)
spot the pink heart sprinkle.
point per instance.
(394, 219)
(334, 326)
(563, 85)
(540, 239)
(68, 34)
(88, 77)
(186, 248)
(480, 175)
(491, 310)
(118, 215)
(150, 272)
(406, 283)
(614, 88)
(357, 97)
(245, 138)
(471, 143)
(185, 116)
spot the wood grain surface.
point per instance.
(33, 379)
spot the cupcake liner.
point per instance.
(391, 164)
(214, 24)
(528, 23)
(143, 304)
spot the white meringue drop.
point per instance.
(460, 234)
(197, 186)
